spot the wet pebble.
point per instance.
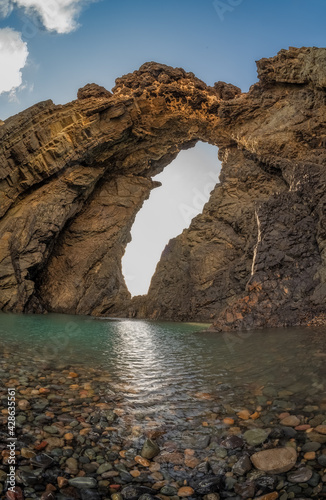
(301, 475)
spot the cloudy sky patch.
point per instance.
(13, 57)
(59, 16)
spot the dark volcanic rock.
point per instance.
(73, 177)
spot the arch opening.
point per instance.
(186, 184)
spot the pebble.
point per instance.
(232, 442)
(290, 421)
(150, 449)
(23, 404)
(142, 461)
(83, 482)
(245, 490)
(69, 436)
(254, 437)
(270, 496)
(244, 414)
(311, 446)
(89, 494)
(170, 491)
(62, 482)
(42, 461)
(27, 453)
(72, 465)
(242, 466)
(275, 461)
(185, 491)
(105, 467)
(302, 475)
(228, 421)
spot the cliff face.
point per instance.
(73, 177)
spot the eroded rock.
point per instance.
(73, 177)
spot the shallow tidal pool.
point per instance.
(206, 399)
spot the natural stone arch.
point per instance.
(74, 177)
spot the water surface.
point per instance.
(171, 373)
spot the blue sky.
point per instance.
(117, 37)
(216, 39)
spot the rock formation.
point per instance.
(73, 177)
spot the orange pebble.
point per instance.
(62, 482)
(43, 390)
(85, 431)
(72, 375)
(310, 455)
(269, 496)
(244, 414)
(185, 491)
(255, 415)
(283, 415)
(50, 487)
(115, 486)
(41, 446)
(302, 427)
(228, 421)
(142, 461)
(135, 473)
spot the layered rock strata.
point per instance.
(73, 177)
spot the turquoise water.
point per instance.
(170, 370)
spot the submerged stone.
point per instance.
(275, 461)
(42, 461)
(150, 449)
(257, 436)
(83, 482)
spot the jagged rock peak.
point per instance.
(92, 90)
(298, 66)
(152, 76)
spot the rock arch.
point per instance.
(74, 176)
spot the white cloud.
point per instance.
(13, 57)
(56, 15)
(5, 8)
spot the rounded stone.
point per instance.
(290, 421)
(185, 491)
(83, 482)
(311, 446)
(301, 475)
(150, 449)
(275, 461)
(254, 437)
